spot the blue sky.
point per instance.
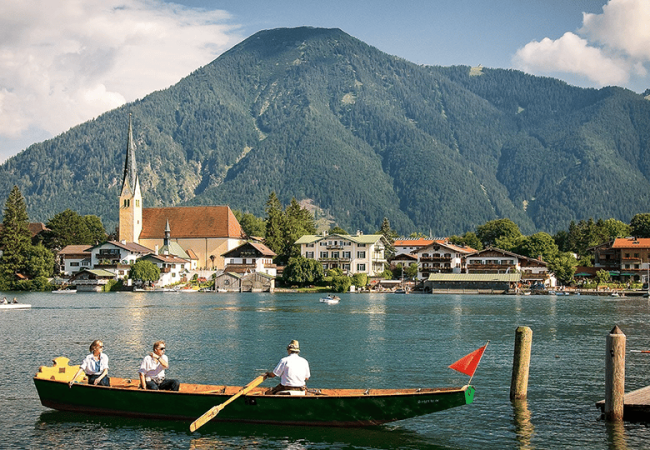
(65, 62)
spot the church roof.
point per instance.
(190, 222)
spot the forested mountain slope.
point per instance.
(318, 115)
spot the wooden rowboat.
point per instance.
(316, 407)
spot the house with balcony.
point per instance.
(497, 261)
(92, 280)
(116, 256)
(73, 258)
(359, 253)
(249, 258)
(172, 268)
(441, 257)
(626, 259)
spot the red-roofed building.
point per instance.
(406, 246)
(625, 258)
(207, 231)
(441, 257)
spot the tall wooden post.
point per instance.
(521, 363)
(615, 375)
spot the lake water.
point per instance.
(366, 341)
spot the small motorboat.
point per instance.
(15, 306)
(330, 300)
(65, 291)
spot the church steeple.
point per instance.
(130, 197)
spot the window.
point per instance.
(361, 255)
(309, 255)
(361, 267)
(346, 266)
(323, 254)
(346, 255)
(335, 255)
(127, 202)
(74, 264)
(137, 203)
(361, 245)
(310, 245)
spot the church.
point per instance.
(206, 231)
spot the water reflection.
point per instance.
(616, 435)
(524, 428)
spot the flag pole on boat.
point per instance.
(468, 363)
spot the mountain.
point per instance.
(358, 135)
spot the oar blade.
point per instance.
(212, 412)
(205, 418)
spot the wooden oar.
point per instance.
(639, 351)
(212, 412)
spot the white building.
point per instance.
(352, 254)
(172, 268)
(73, 259)
(441, 257)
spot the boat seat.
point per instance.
(290, 393)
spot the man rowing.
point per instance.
(293, 371)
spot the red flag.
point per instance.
(468, 364)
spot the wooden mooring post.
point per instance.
(615, 375)
(521, 363)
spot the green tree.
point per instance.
(341, 283)
(145, 271)
(275, 224)
(360, 280)
(302, 271)
(390, 235)
(602, 276)
(251, 224)
(337, 230)
(489, 232)
(469, 239)
(411, 271)
(298, 222)
(640, 225)
(564, 267)
(96, 231)
(70, 228)
(40, 262)
(539, 244)
(15, 238)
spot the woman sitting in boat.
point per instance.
(95, 366)
(152, 370)
(293, 371)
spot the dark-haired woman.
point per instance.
(95, 366)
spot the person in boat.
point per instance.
(152, 370)
(293, 371)
(95, 366)
(4, 301)
(15, 300)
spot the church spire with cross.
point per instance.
(130, 225)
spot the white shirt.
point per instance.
(89, 364)
(152, 368)
(293, 370)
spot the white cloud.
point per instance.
(616, 45)
(624, 25)
(65, 62)
(571, 54)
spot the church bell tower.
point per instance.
(130, 225)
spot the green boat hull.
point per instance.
(373, 407)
